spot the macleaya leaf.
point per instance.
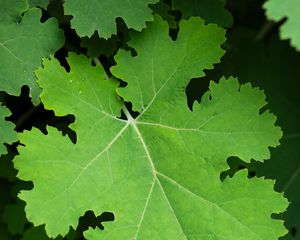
(159, 173)
(277, 10)
(7, 132)
(212, 11)
(23, 44)
(100, 15)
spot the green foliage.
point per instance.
(101, 137)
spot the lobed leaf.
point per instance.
(160, 172)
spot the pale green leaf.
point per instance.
(277, 10)
(212, 11)
(100, 15)
(159, 173)
(22, 46)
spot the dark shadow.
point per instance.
(25, 115)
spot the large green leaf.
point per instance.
(100, 15)
(7, 132)
(212, 11)
(277, 10)
(22, 46)
(159, 173)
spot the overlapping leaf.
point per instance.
(159, 173)
(23, 43)
(7, 133)
(277, 10)
(100, 15)
(212, 11)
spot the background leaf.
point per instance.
(8, 135)
(17, 42)
(100, 15)
(277, 10)
(212, 11)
